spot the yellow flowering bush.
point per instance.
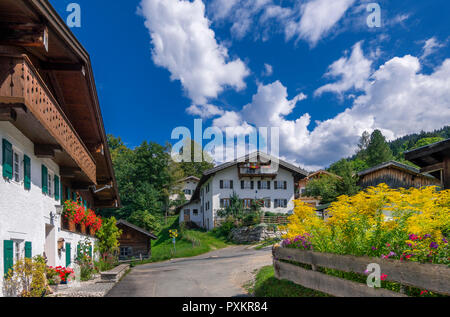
(408, 224)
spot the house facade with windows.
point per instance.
(53, 146)
(187, 186)
(257, 176)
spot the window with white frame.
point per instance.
(226, 184)
(265, 185)
(280, 203)
(17, 166)
(280, 185)
(247, 184)
(267, 203)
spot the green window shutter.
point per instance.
(56, 187)
(68, 254)
(8, 256)
(78, 251)
(90, 251)
(44, 180)
(27, 172)
(74, 196)
(7, 159)
(68, 194)
(28, 250)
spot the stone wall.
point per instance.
(254, 234)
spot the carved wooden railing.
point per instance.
(24, 85)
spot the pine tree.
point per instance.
(378, 150)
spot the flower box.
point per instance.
(72, 226)
(83, 228)
(91, 231)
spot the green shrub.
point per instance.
(225, 229)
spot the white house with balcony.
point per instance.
(53, 145)
(257, 176)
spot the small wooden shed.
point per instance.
(396, 175)
(135, 242)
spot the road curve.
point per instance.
(220, 273)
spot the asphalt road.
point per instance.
(220, 273)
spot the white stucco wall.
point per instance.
(186, 185)
(24, 214)
(231, 173)
(216, 193)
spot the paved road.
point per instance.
(220, 273)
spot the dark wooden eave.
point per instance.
(35, 29)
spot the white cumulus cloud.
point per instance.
(184, 43)
(396, 98)
(353, 72)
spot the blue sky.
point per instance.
(312, 68)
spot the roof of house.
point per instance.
(130, 225)
(209, 173)
(189, 178)
(397, 165)
(318, 173)
(429, 154)
(66, 50)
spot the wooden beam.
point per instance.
(24, 34)
(8, 114)
(69, 172)
(48, 66)
(46, 150)
(96, 148)
(446, 173)
(432, 168)
(105, 203)
(81, 187)
(20, 108)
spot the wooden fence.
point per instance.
(272, 220)
(431, 277)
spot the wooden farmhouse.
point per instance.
(53, 145)
(396, 175)
(433, 159)
(134, 242)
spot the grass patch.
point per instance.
(189, 243)
(267, 243)
(267, 285)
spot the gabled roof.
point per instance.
(318, 173)
(267, 157)
(397, 165)
(130, 225)
(189, 178)
(263, 155)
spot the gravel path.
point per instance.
(85, 289)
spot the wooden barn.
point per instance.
(396, 175)
(135, 242)
(433, 159)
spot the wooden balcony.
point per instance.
(36, 113)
